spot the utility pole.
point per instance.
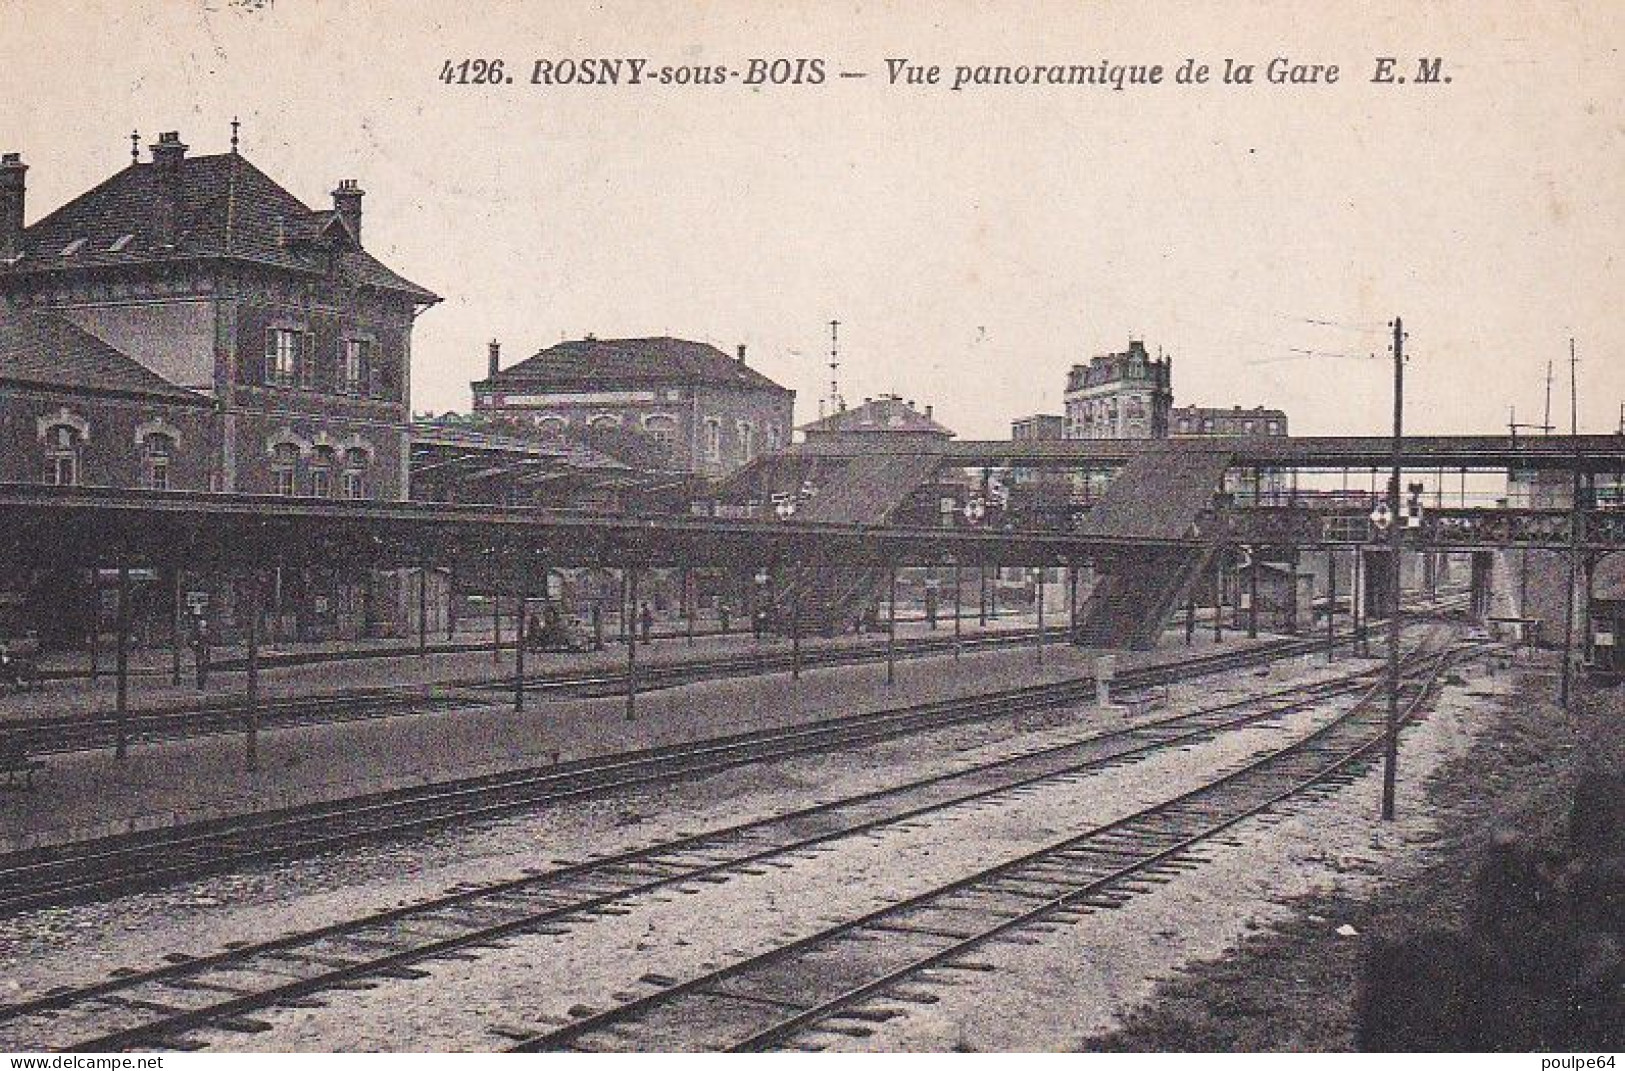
(1546, 421)
(1391, 745)
(1566, 688)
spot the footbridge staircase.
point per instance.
(866, 490)
(1157, 495)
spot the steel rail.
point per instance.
(620, 1016)
(1164, 733)
(40, 877)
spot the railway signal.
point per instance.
(1413, 505)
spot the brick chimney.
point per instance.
(167, 154)
(494, 353)
(347, 203)
(12, 170)
(741, 353)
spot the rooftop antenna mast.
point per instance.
(836, 402)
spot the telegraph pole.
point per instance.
(1566, 688)
(1391, 744)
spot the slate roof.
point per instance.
(40, 348)
(228, 208)
(599, 363)
(887, 413)
(592, 448)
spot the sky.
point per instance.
(974, 244)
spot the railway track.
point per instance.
(66, 734)
(71, 733)
(838, 980)
(160, 1006)
(86, 869)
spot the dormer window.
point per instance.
(73, 247)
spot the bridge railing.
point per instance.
(1459, 527)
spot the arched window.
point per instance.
(160, 448)
(355, 472)
(662, 429)
(284, 460)
(551, 425)
(62, 443)
(713, 441)
(604, 420)
(321, 471)
(747, 441)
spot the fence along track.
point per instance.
(470, 918)
(65, 735)
(119, 864)
(765, 1001)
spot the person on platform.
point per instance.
(200, 648)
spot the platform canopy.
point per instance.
(67, 527)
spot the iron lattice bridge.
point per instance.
(1437, 528)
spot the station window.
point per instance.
(355, 358)
(662, 429)
(551, 425)
(62, 443)
(285, 356)
(747, 441)
(355, 473)
(713, 441)
(604, 420)
(284, 459)
(1246, 427)
(160, 448)
(1273, 427)
(321, 472)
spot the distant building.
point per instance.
(710, 413)
(1039, 427)
(1195, 421)
(1120, 396)
(887, 415)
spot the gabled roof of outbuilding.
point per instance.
(888, 413)
(228, 208)
(39, 348)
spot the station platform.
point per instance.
(332, 669)
(88, 795)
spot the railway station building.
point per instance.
(189, 324)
